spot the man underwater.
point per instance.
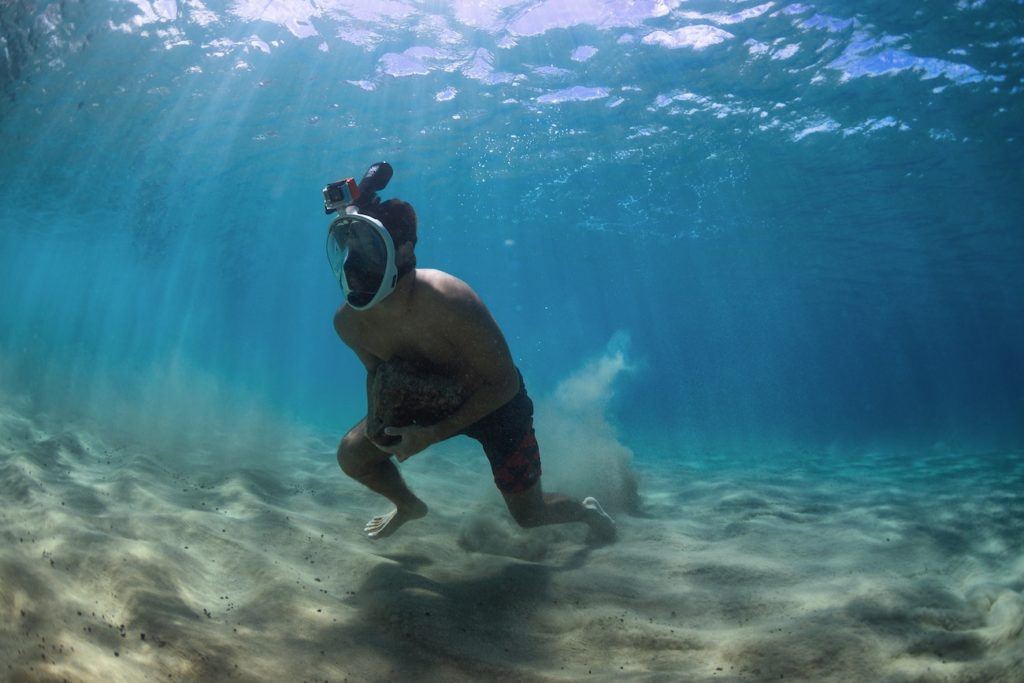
(395, 310)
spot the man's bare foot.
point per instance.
(385, 525)
(602, 527)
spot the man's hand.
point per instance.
(413, 440)
(366, 433)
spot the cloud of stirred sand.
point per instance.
(580, 447)
(181, 413)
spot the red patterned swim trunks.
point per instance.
(510, 443)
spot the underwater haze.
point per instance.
(760, 260)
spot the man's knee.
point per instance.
(354, 452)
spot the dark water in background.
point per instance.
(801, 247)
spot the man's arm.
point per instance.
(486, 366)
(369, 361)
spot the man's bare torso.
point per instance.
(437, 320)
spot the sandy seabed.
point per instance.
(119, 564)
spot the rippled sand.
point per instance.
(116, 566)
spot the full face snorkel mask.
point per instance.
(359, 247)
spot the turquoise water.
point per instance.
(809, 231)
(806, 219)
(769, 253)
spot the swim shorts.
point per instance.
(509, 442)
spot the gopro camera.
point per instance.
(340, 194)
(346, 192)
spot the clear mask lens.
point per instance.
(358, 257)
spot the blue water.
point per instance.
(761, 259)
(804, 221)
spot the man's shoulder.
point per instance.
(445, 294)
(345, 324)
(444, 284)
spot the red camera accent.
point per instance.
(353, 189)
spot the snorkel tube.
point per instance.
(374, 180)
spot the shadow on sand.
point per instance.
(426, 628)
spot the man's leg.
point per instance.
(533, 507)
(363, 461)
